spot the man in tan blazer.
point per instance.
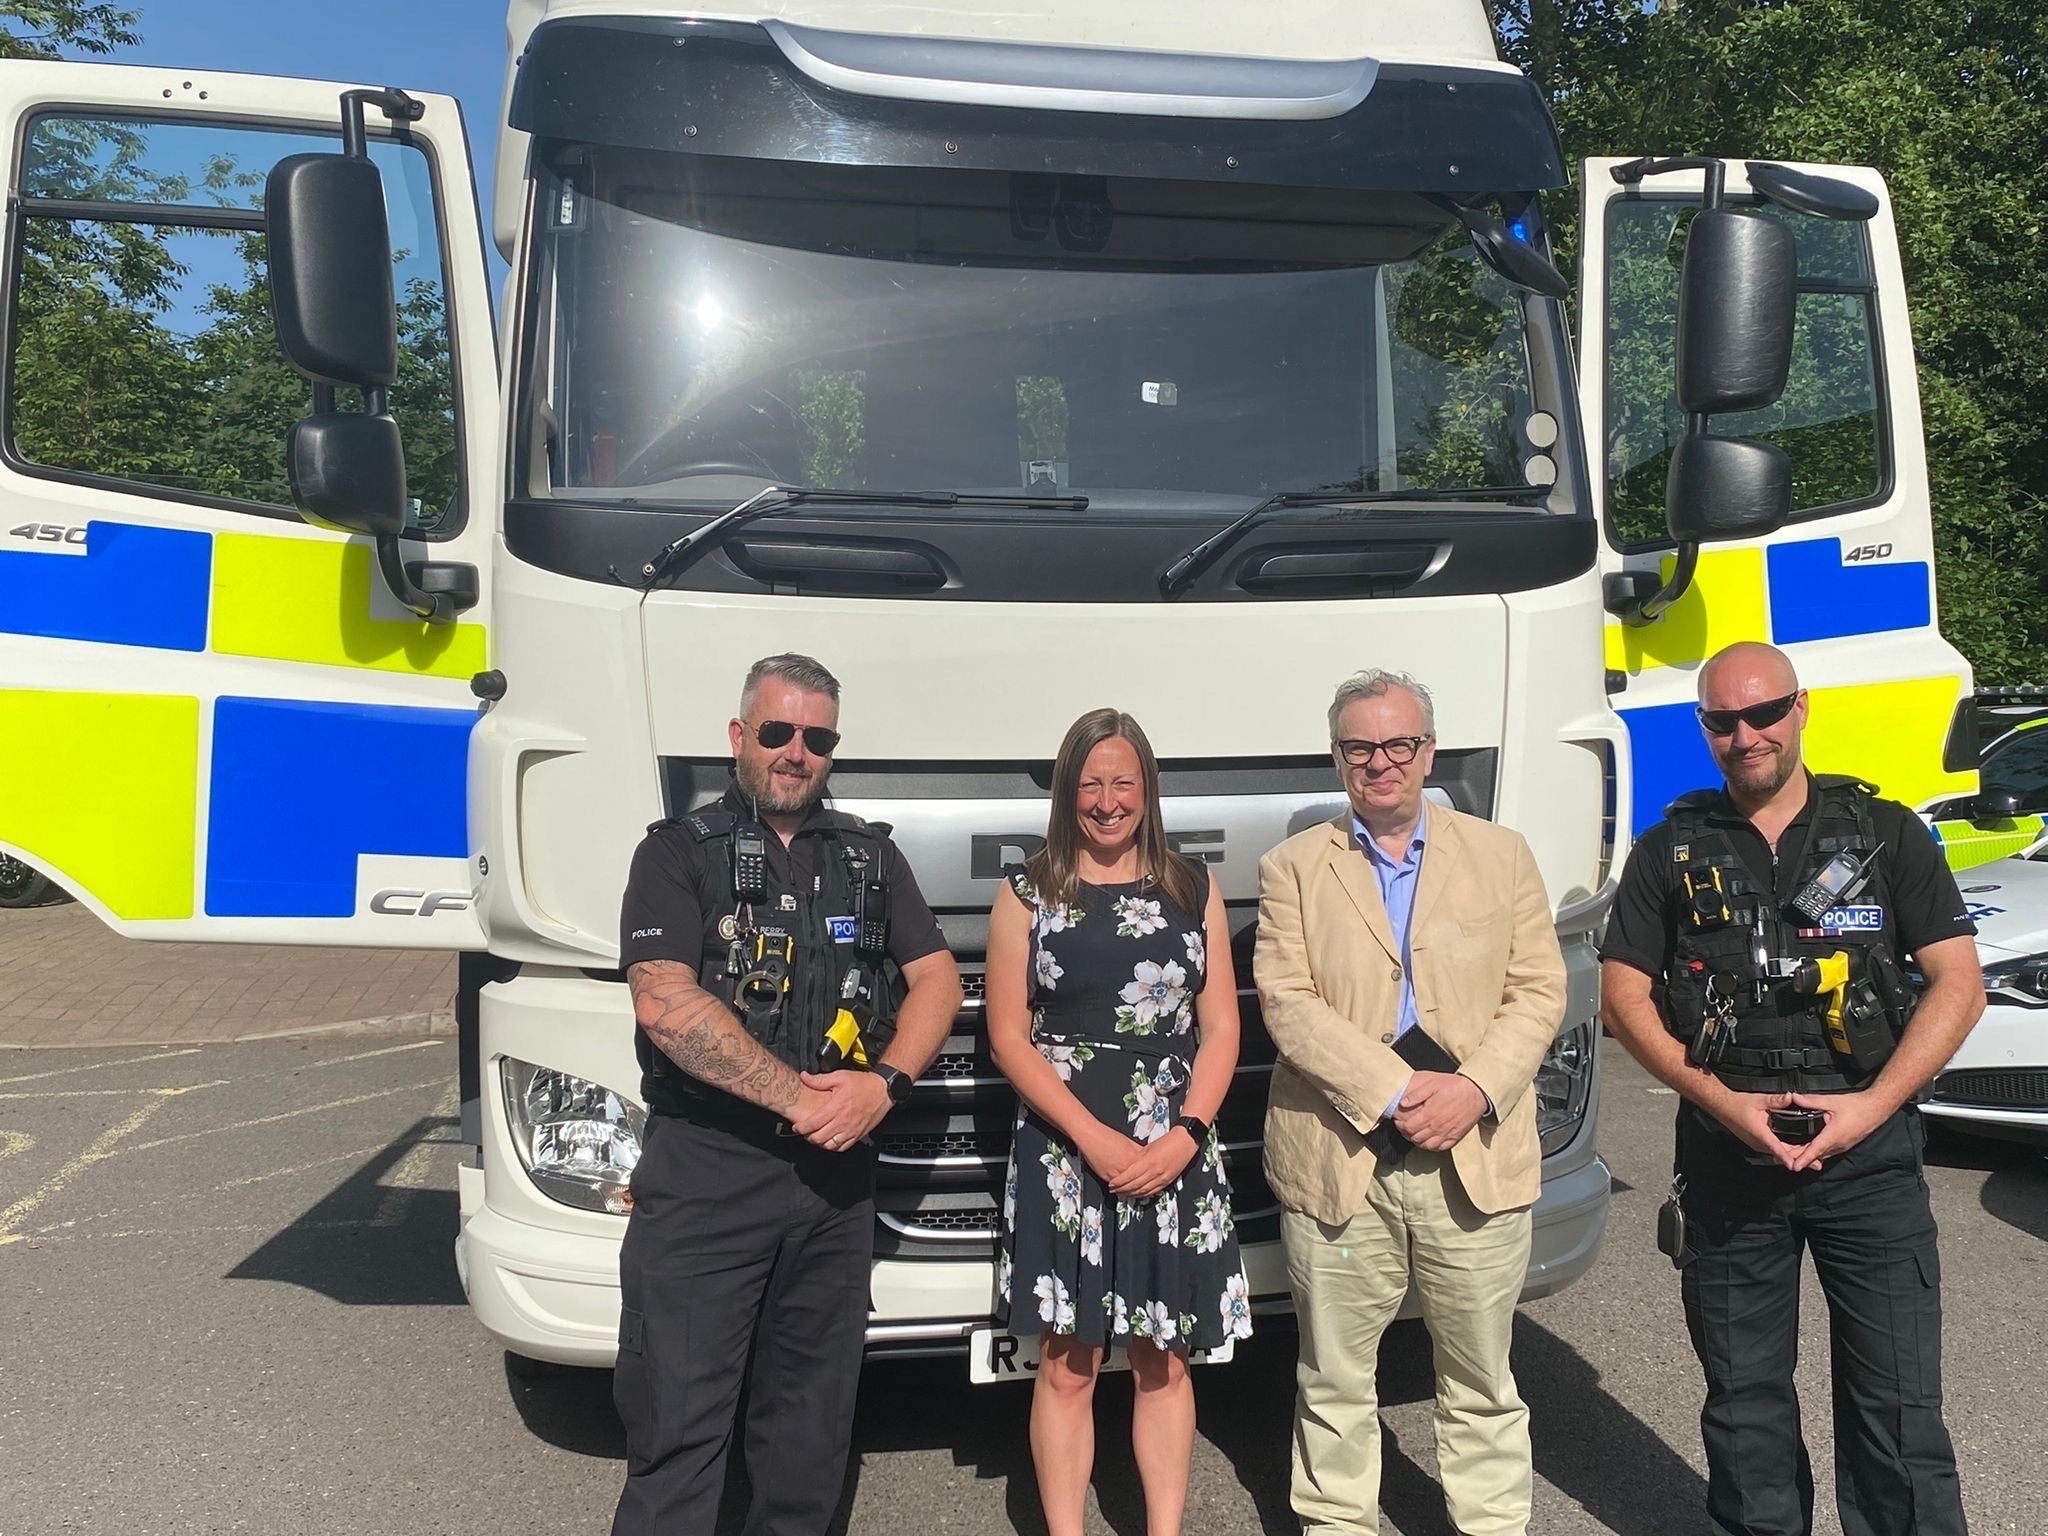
(1398, 916)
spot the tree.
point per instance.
(54, 29)
(1949, 98)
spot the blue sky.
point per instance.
(454, 47)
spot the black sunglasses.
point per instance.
(818, 741)
(1758, 717)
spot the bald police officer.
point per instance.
(1753, 963)
(756, 934)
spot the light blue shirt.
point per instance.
(1397, 891)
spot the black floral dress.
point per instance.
(1112, 990)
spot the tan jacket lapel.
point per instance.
(1439, 864)
(1360, 884)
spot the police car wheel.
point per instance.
(21, 886)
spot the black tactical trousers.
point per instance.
(1865, 1217)
(745, 1257)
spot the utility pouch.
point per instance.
(1672, 1239)
(1864, 1032)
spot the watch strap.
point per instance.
(898, 1081)
(1195, 1127)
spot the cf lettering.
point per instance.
(419, 903)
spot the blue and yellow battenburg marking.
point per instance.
(1886, 731)
(110, 792)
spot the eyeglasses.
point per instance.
(1399, 750)
(818, 741)
(1758, 717)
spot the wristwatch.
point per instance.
(898, 1082)
(1195, 1127)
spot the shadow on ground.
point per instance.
(372, 1242)
(1587, 1443)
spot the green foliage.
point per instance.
(54, 29)
(1949, 99)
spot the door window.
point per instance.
(1830, 419)
(140, 348)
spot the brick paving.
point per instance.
(68, 979)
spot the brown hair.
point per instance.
(1052, 870)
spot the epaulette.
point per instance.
(708, 822)
(1692, 800)
(1844, 781)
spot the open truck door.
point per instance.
(1842, 577)
(219, 720)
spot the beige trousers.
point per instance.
(1467, 1269)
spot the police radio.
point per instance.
(871, 914)
(1838, 881)
(749, 865)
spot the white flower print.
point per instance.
(1148, 1106)
(1184, 1019)
(1119, 1314)
(1236, 1307)
(1091, 1234)
(1049, 971)
(1126, 1213)
(1068, 1059)
(1155, 1322)
(1003, 1278)
(1212, 1223)
(1064, 1184)
(1168, 1217)
(1136, 917)
(1197, 952)
(1055, 1306)
(1010, 1193)
(1212, 1156)
(1152, 993)
(1057, 919)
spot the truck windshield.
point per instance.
(703, 327)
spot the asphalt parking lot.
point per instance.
(231, 1305)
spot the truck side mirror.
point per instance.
(332, 304)
(1735, 306)
(1726, 488)
(347, 471)
(330, 270)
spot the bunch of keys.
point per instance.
(1717, 1029)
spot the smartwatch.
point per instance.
(1197, 1128)
(898, 1082)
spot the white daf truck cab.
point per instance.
(1156, 356)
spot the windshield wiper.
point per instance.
(779, 498)
(1180, 575)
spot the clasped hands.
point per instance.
(1439, 1109)
(837, 1110)
(1133, 1170)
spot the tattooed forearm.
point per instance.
(700, 1034)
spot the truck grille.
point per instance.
(1994, 1088)
(942, 1156)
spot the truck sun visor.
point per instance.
(732, 89)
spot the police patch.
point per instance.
(843, 929)
(728, 927)
(1852, 920)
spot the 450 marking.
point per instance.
(1866, 552)
(48, 533)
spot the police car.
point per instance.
(1997, 1083)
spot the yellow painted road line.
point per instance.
(290, 1114)
(116, 1093)
(124, 1061)
(104, 1146)
(12, 1142)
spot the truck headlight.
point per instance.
(577, 1140)
(1564, 1083)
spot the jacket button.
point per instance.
(1395, 973)
(1386, 1039)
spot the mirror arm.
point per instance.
(396, 106)
(1636, 607)
(434, 607)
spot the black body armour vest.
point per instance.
(814, 938)
(1781, 1040)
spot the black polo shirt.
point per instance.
(1925, 906)
(664, 916)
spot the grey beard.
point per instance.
(768, 796)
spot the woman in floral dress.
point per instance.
(1113, 1011)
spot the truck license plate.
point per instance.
(993, 1355)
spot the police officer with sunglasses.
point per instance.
(789, 983)
(1755, 963)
